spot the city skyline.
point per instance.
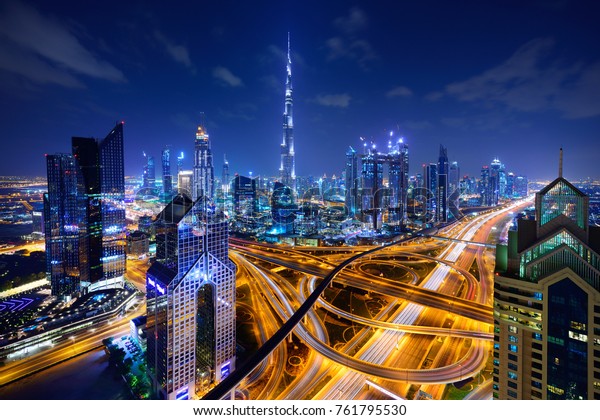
(526, 80)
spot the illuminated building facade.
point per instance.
(547, 302)
(287, 167)
(85, 215)
(167, 178)
(351, 181)
(441, 210)
(190, 293)
(204, 170)
(149, 175)
(65, 227)
(184, 182)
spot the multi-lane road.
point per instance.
(433, 327)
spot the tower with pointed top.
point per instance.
(287, 168)
(547, 301)
(204, 171)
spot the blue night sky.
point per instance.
(508, 79)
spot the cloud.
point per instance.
(401, 91)
(341, 100)
(530, 81)
(355, 21)
(348, 43)
(178, 53)
(434, 96)
(225, 76)
(28, 38)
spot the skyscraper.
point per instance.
(547, 302)
(86, 193)
(190, 292)
(520, 188)
(287, 167)
(351, 181)
(372, 187)
(185, 182)
(167, 178)
(441, 210)
(114, 225)
(453, 178)
(431, 182)
(179, 166)
(65, 227)
(204, 171)
(149, 176)
(397, 160)
(486, 187)
(225, 176)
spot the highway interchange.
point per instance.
(428, 325)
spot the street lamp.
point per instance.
(72, 338)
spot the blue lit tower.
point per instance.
(149, 176)
(351, 180)
(547, 301)
(431, 180)
(287, 168)
(167, 178)
(65, 227)
(179, 166)
(204, 171)
(441, 211)
(225, 176)
(112, 174)
(87, 156)
(372, 186)
(85, 215)
(397, 160)
(190, 294)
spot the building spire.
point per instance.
(560, 163)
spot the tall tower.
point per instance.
(190, 294)
(442, 187)
(65, 227)
(204, 171)
(547, 301)
(351, 180)
(166, 172)
(85, 216)
(287, 168)
(397, 160)
(114, 226)
(225, 176)
(149, 177)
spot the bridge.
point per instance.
(445, 238)
(230, 382)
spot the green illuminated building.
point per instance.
(547, 302)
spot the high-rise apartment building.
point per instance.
(351, 181)
(225, 187)
(190, 292)
(287, 167)
(65, 227)
(430, 193)
(149, 175)
(85, 216)
(441, 210)
(185, 182)
(167, 178)
(547, 302)
(204, 170)
(521, 187)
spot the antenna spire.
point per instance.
(560, 163)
